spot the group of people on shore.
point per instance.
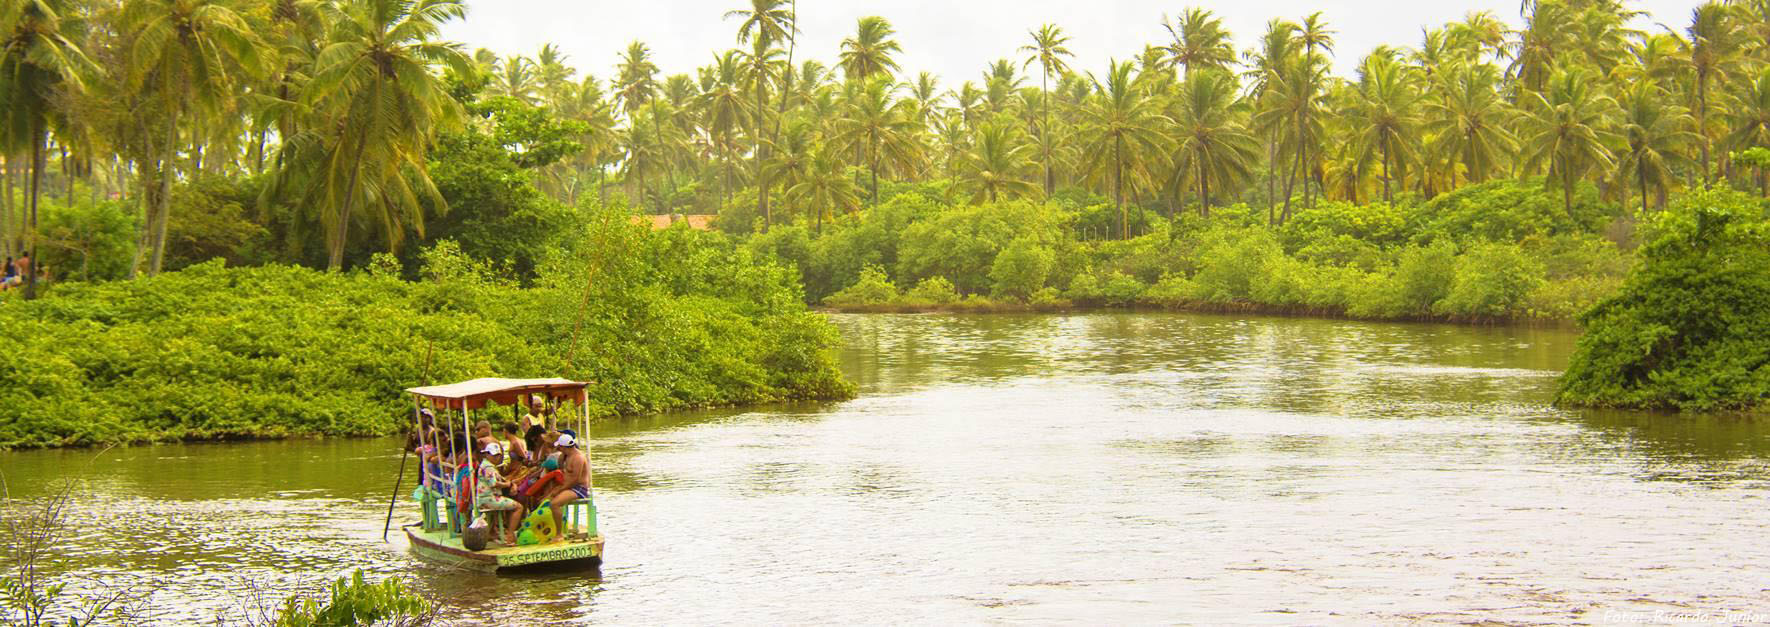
(17, 271)
(521, 467)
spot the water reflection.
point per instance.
(1088, 468)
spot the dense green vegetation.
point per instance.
(1487, 173)
(1691, 329)
(676, 318)
(1496, 251)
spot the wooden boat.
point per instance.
(438, 535)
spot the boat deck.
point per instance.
(438, 545)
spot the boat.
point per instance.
(439, 535)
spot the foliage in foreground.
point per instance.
(355, 601)
(674, 319)
(1690, 329)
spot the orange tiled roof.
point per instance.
(658, 223)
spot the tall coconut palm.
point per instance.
(1656, 136)
(1209, 139)
(379, 96)
(870, 51)
(723, 109)
(1122, 125)
(192, 56)
(1384, 108)
(1568, 128)
(1712, 46)
(825, 187)
(1199, 41)
(1048, 50)
(1749, 119)
(764, 25)
(517, 79)
(1471, 120)
(881, 128)
(38, 57)
(998, 164)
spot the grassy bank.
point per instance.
(675, 319)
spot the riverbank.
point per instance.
(985, 306)
(217, 353)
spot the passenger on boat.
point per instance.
(490, 500)
(535, 444)
(513, 444)
(575, 484)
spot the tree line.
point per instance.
(336, 104)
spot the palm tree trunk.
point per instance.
(1118, 185)
(335, 261)
(761, 175)
(1702, 124)
(37, 158)
(1204, 190)
(873, 149)
(1045, 130)
(1642, 177)
(657, 127)
(6, 240)
(1387, 196)
(160, 219)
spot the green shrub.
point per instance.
(1492, 281)
(932, 291)
(1424, 276)
(1121, 290)
(873, 288)
(355, 601)
(1021, 269)
(1231, 267)
(1690, 327)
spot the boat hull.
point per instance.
(439, 547)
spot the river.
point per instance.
(1102, 468)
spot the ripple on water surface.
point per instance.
(1096, 468)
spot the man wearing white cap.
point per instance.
(575, 484)
(487, 497)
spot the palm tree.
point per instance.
(39, 57)
(869, 52)
(1657, 134)
(1208, 137)
(1199, 41)
(192, 55)
(764, 25)
(882, 128)
(379, 96)
(1047, 49)
(1712, 46)
(1568, 128)
(825, 186)
(997, 165)
(1122, 126)
(517, 79)
(583, 102)
(791, 160)
(1750, 120)
(551, 71)
(724, 108)
(1384, 108)
(1471, 120)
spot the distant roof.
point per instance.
(659, 223)
(474, 394)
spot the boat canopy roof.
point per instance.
(476, 393)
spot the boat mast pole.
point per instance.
(472, 467)
(584, 407)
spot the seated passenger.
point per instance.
(488, 498)
(575, 482)
(514, 447)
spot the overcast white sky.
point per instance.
(955, 39)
